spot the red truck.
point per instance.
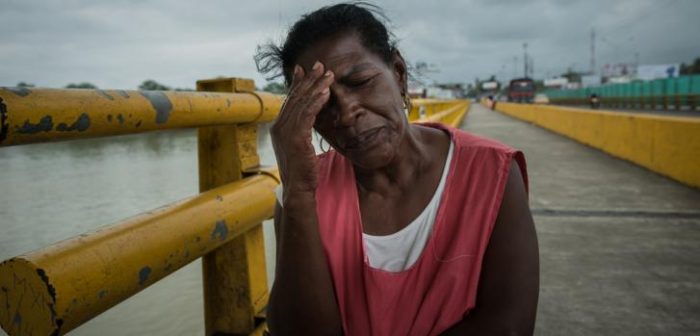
(521, 90)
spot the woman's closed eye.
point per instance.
(359, 82)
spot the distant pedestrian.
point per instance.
(594, 101)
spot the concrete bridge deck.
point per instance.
(619, 244)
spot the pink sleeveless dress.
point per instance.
(440, 288)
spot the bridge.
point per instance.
(618, 237)
(618, 243)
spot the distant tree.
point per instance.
(150, 85)
(274, 87)
(83, 85)
(691, 69)
(539, 85)
(472, 90)
(25, 85)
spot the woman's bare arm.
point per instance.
(508, 290)
(302, 301)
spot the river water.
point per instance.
(53, 191)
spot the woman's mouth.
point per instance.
(364, 140)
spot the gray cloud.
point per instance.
(118, 44)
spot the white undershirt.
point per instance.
(400, 250)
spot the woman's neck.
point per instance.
(411, 159)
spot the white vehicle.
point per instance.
(541, 99)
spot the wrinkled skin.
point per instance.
(353, 99)
(291, 133)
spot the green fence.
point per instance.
(679, 92)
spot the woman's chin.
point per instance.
(372, 158)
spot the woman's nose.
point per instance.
(347, 108)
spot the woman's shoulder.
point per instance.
(333, 168)
(329, 157)
(491, 155)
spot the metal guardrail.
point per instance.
(41, 115)
(677, 102)
(667, 145)
(55, 289)
(448, 112)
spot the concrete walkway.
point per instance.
(619, 245)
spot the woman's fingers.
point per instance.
(308, 93)
(291, 133)
(321, 95)
(303, 80)
(297, 77)
(317, 94)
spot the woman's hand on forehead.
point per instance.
(291, 132)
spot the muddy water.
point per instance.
(50, 192)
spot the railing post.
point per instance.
(692, 101)
(235, 280)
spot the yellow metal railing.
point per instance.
(41, 115)
(450, 112)
(53, 290)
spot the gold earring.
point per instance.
(320, 145)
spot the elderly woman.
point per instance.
(400, 229)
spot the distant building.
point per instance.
(489, 86)
(591, 81)
(440, 93)
(653, 71)
(618, 70)
(417, 91)
(556, 83)
(619, 80)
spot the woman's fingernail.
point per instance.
(328, 73)
(317, 65)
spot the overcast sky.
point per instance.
(118, 44)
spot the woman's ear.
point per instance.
(400, 71)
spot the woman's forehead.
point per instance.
(338, 52)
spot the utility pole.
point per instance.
(525, 58)
(592, 51)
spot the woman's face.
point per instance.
(364, 118)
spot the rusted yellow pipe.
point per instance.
(55, 289)
(234, 278)
(455, 119)
(30, 115)
(450, 112)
